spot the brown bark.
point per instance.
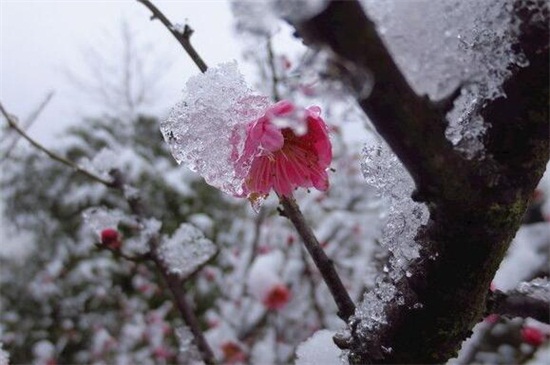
(475, 205)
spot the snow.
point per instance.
(264, 274)
(527, 255)
(186, 250)
(440, 45)
(542, 356)
(206, 130)
(4, 356)
(319, 349)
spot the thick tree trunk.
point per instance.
(476, 206)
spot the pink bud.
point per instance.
(111, 238)
(278, 297)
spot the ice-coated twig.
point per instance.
(54, 156)
(183, 37)
(27, 124)
(345, 305)
(273, 70)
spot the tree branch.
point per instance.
(345, 305)
(182, 37)
(54, 156)
(517, 304)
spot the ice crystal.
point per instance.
(401, 221)
(441, 45)
(186, 250)
(206, 130)
(382, 170)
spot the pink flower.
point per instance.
(277, 297)
(232, 353)
(282, 160)
(111, 238)
(532, 336)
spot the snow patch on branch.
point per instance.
(186, 250)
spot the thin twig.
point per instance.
(182, 37)
(273, 69)
(345, 305)
(175, 284)
(26, 125)
(517, 304)
(13, 124)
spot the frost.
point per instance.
(103, 162)
(206, 130)
(440, 45)
(187, 347)
(186, 250)
(319, 349)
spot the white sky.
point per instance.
(41, 39)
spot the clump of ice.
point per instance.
(103, 162)
(319, 349)
(401, 221)
(206, 130)
(383, 170)
(186, 250)
(440, 45)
